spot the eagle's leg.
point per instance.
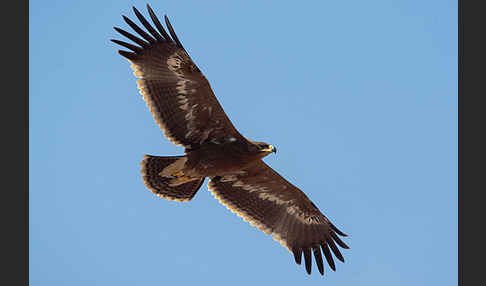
(175, 173)
(181, 180)
(174, 169)
(178, 174)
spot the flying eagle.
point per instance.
(184, 106)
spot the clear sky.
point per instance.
(360, 98)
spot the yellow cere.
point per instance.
(270, 148)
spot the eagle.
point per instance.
(183, 104)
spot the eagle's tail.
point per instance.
(160, 175)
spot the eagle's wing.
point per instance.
(177, 93)
(266, 200)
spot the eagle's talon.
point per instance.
(178, 174)
(179, 181)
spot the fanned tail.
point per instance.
(158, 176)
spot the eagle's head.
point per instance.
(265, 148)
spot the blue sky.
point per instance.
(360, 98)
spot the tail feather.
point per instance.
(155, 170)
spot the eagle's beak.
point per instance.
(270, 148)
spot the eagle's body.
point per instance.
(183, 104)
(221, 159)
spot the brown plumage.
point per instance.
(184, 106)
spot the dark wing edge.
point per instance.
(154, 37)
(267, 201)
(176, 92)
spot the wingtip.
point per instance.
(335, 250)
(130, 56)
(308, 260)
(338, 231)
(297, 255)
(149, 9)
(318, 258)
(135, 10)
(328, 256)
(126, 19)
(167, 21)
(339, 241)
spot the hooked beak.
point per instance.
(270, 148)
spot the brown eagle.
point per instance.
(184, 106)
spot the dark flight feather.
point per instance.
(139, 30)
(172, 32)
(328, 255)
(297, 255)
(132, 37)
(308, 259)
(335, 250)
(127, 45)
(147, 25)
(158, 24)
(318, 257)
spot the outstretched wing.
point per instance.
(266, 200)
(177, 93)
